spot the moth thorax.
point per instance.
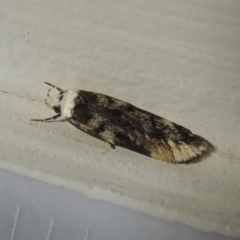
(67, 103)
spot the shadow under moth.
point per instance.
(119, 123)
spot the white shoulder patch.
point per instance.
(68, 103)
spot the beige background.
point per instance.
(178, 59)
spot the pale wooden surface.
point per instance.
(178, 60)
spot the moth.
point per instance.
(119, 123)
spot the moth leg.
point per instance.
(107, 136)
(46, 100)
(47, 119)
(48, 93)
(58, 88)
(111, 145)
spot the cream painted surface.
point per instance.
(178, 59)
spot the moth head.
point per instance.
(55, 102)
(63, 103)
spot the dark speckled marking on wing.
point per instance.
(122, 124)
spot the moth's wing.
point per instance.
(122, 124)
(157, 137)
(97, 131)
(175, 143)
(107, 119)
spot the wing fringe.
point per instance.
(177, 152)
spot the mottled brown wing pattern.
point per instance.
(122, 124)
